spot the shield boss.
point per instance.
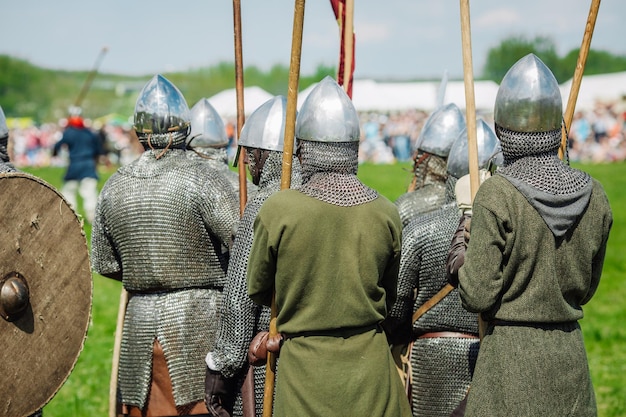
(45, 292)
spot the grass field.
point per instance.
(86, 391)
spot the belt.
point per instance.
(563, 325)
(432, 335)
(158, 291)
(345, 332)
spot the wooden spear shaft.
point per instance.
(117, 347)
(285, 181)
(241, 116)
(578, 74)
(470, 111)
(247, 388)
(292, 93)
(90, 77)
(470, 106)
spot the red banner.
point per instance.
(339, 8)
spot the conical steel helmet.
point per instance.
(265, 127)
(4, 129)
(441, 129)
(328, 115)
(529, 99)
(488, 149)
(207, 127)
(160, 108)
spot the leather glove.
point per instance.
(257, 352)
(261, 344)
(456, 254)
(219, 393)
(466, 230)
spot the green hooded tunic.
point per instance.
(532, 362)
(335, 271)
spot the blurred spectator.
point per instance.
(397, 133)
(231, 149)
(595, 136)
(81, 177)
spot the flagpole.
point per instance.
(348, 42)
(285, 181)
(578, 75)
(470, 112)
(241, 116)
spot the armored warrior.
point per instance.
(262, 138)
(208, 141)
(539, 230)
(164, 227)
(331, 252)
(428, 188)
(444, 337)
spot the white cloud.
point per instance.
(497, 18)
(375, 32)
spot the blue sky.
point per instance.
(395, 39)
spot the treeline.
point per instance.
(45, 95)
(501, 57)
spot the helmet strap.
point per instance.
(158, 156)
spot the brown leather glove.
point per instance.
(261, 344)
(456, 255)
(257, 352)
(219, 393)
(466, 231)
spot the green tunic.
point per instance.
(516, 271)
(335, 272)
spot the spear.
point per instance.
(247, 388)
(243, 184)
(578, 75)
(470, 111)
(292, 93)
(117, 347)
(470, 106)
(285, 180)
(90, 77)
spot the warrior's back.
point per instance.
(169, 222)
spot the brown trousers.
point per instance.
(160, 401)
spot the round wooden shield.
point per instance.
(45, 292)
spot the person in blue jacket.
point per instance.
(81, 176)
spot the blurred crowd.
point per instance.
(595, 136)
(32, 145)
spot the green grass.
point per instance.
(85, 393)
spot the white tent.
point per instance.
(595, 88)
(370, 95)
(484, 95)
(225, 102)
